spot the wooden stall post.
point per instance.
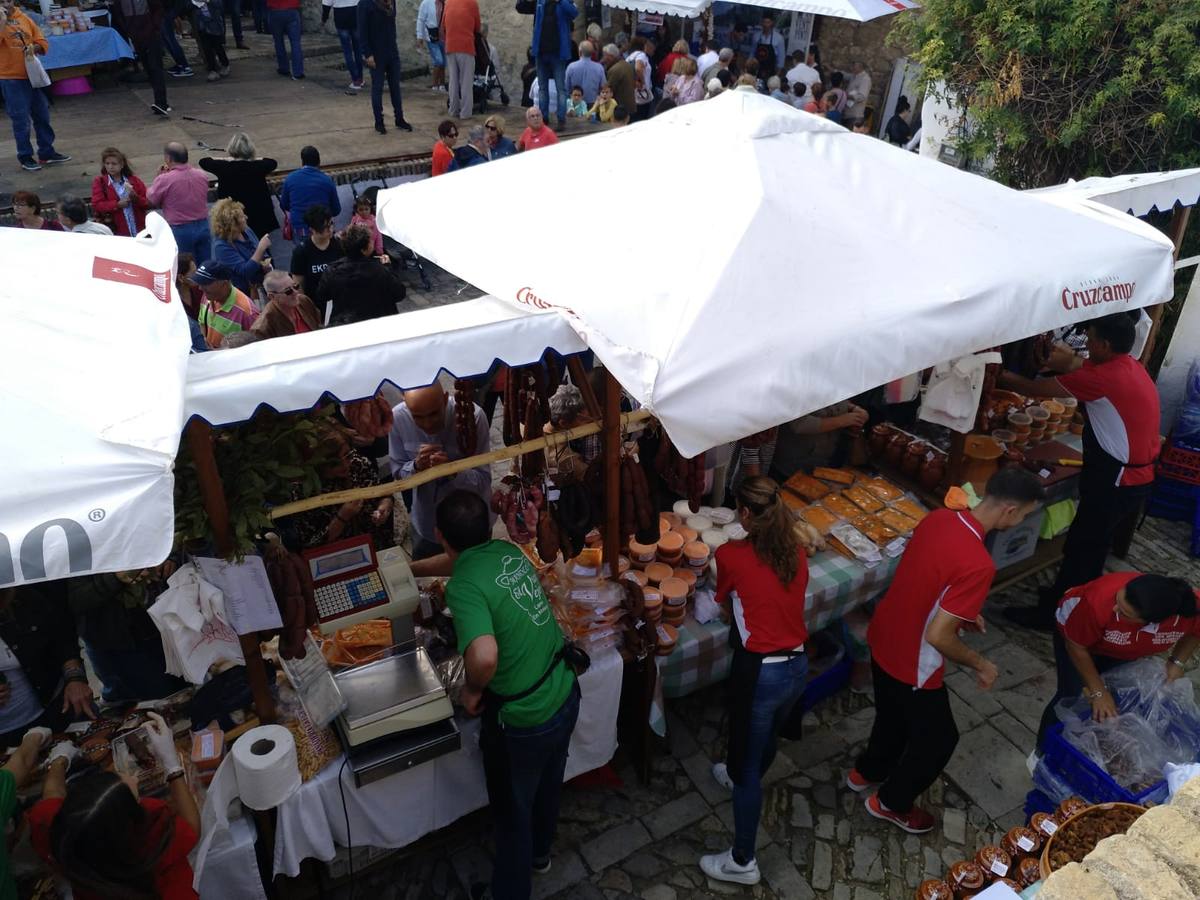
(212, 495)
(1175, 231)
(611, 436)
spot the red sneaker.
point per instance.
(858, 784)
(915, 821)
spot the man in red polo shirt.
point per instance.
(1113, 619)
(1120, 446)
(939, 590)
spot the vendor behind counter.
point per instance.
(814, 440)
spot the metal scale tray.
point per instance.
(391, 685)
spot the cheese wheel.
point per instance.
(699, 523)
(714, 537)
(682, 508)
(722, 515)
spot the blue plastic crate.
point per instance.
(1173, 499)
(1037, 802)
(1087, 779)
(825, 685)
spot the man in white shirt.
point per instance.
(766, 34)
(73, 216)
(857, 93)
(724, 58)
(430, 35)
(709, 56)
(804, 72)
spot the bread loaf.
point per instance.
(1187, 800)
(1175, 838)
(1131, 869)
(1071, 882)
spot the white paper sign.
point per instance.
(249, 600)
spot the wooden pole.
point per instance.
(546, 441)
(580, 377)
(611, 435)
(212, 495)
(1175, 231)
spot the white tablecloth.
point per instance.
(403, 808)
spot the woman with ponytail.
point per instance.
(763, 579)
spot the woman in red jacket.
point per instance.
(119, 196)
(763, 578)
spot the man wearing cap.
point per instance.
(225, 310)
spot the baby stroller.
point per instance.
(487, 78)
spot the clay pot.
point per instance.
(983, 459)
(966, 876)
(895, 449)
(880, 435)
(914, 453)
(934, 889)
(994, 862)
(1069, 807)
(1021, 841)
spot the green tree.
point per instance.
(1060, 89)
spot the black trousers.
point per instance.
(1102, 508)
(913, 738)
(151, 54)
(386, 70)
(213, 48)
(1070, 684)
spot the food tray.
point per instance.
(874, 529)
(910, 508)
(806, 487)
(794, 503)
(863, 499)
(897, 521)
(840, 506)
(819, 518)
(837, 476)
(1066, 827)
(883, 489)
(857, 543)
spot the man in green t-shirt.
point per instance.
(515, 676)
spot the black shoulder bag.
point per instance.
(571, 653)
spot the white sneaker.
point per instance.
(723, 867)
(720, 773)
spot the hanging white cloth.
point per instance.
(952, 397)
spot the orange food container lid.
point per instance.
(643, 552)
(673, 588)
(651, 597)
(669, 543)
(638, 578)
(657, 571)
(689, 534)
(696, 551)
(687, 576)
(664, 525)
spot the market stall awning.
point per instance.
(350, 362)
(92, 361)
(1139, 194)
(799, 264)
(688, 9)
(855, 10)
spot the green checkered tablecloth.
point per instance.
(702, 656)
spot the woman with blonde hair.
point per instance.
(683, 84)
(242, 176)
(498, 144)
(678, 51)
(763, 579)
(119, 196)
(237, 246)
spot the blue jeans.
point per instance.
(24, 103)
(437, 54)
(524, 769)
(779, 687)
(352, 53)
(556, 69)
(259, 8)
(171, 40)
(286, 21)
(194, 238)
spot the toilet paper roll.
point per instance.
(264, 759)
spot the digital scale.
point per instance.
(397, 713)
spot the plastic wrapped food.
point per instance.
(874, 529)
(840, 506)
(910, 508)
(819, 518)
(883, 489)
(837, 476)
(806, 486)
(897, 521)
(863, 499)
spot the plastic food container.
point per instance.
(1055, 409)
(641, 554)
(735, 531)
(657, 571)
(1019, 421)
(722, 515)
(697, 554)
(688, 577)
(688, 534)
(667, 637)
(670, 544)
(1004, 436)
(638, 578)
(698, 523)
(671, 519)
(682, 508)
(1039, 414)
(715, 538)
(208, 749)
(674, 591)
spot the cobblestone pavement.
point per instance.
(816, 840)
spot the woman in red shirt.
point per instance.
(763, 578)
(107, 841)
(1113, 619)
(443, 150)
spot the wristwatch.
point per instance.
(1095, 695)
(1177, 662)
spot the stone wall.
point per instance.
(843, 41)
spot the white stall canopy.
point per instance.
(855, 10)
(1138, 194)
(92, 361)
(803, 264)
(350, 362)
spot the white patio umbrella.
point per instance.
(92, 360)
(700, 307)
(855, 10)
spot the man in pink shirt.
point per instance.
(536, 134)
(180, 192)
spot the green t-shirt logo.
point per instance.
(518, 578)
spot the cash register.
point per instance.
(397, 711)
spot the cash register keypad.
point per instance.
(344, 597)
